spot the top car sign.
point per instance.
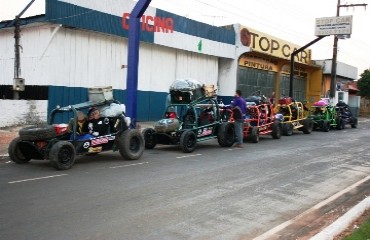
(333, 26)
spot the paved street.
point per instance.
(212, 193)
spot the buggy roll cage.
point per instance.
(80, 106)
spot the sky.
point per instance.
(290, 20)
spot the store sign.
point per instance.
(263, 43)
(258, 62)
(151, 23)
(333, 26)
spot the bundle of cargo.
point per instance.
(209, 90)
(285, 101)
(322, 103)
(186, 90)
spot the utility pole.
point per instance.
(335, 50)
(17, 59)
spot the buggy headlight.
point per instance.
(127, 121)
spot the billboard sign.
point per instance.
(263, 43)
(333, 26)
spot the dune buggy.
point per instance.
(260, 120)
(292, 116)
(187, 122)
(324, 116)
(346, 115)
(59, 144)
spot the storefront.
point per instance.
(266, 68)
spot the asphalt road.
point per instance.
(212, 193)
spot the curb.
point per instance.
(343, 222)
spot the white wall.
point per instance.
(345, 97)
(160, 66)
(354, 101)
(76, 58)
(343, 69)
(228, 77)
(16, 112)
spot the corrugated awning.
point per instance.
(353, 88)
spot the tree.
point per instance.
(363, 84)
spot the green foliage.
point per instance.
(363, 84)
(361, 233)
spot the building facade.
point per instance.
(345, 90)
(79, 44)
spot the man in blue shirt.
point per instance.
(239, 109)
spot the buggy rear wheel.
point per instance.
(355, 122)
(307, 126)
(149, 138)
(188, 141)
(131, 144)
(15, 153)
(62, 155)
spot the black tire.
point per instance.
(287, 129)
(340, 124)
(355, 122)
(62, 155)
(254, 136)
(37, 132)
(131, 144)
(226, 134)
(325, 126)
(15, 153)
(307, 126)
(188, 141)
(276, 130)
(149, 139)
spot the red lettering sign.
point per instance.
(150, 23)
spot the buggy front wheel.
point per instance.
(325, 126)
(287, 129)
(340, 123)
(276, 130)
(254, 136)
(226, 134)
(188, 141)
(62, 155)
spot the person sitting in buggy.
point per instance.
(206, 117)
(81, 121)
(319, 110)
(189, 118)
(96, 125)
